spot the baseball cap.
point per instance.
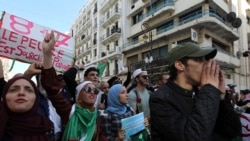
(189, 49)
(137, 72)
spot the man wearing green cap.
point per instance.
(191, 106)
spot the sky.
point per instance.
(55, 14)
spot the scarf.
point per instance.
(27, 126)
(114, 104)
(81, 125)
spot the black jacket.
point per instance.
(181, 115)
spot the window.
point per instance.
(108, 15)
(95, 8)
(95, 52)
(116, 25)
(107, 73)
(137, 18)
(133, 59)
(116, 67)
(107, 32)
(95, 40)
(107, 48)
(79, 52)
(116, 8)
(83, 36)
(95, 23)
(135, 40)
(163, 51)
(160, 52)
(116, 43)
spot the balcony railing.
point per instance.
(147, 66)
(159, 7)
(114, 15)
(191, 17)
(115, 33)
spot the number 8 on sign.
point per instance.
(20, 25)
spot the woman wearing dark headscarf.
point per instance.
(20, 120)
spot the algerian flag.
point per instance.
(245, 123)
(101, 67)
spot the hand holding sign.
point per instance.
(121, 134)
(21, 39)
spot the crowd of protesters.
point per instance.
(190, 103)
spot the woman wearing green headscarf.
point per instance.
(79, 120)
(83, 117)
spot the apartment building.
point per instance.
(143, 31)
(97, 33)
(159, 25)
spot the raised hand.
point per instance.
(222, 85)
(128, 65)
(34, 68)
(49, 42)
(210, 74)
(48, 45)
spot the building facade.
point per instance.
(98, 37)
(143, 31)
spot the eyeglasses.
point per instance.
(144, 76)
(88, 89)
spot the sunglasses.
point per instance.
(88, 89)
(144, 76)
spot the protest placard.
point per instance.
(133, 124)
(21, 39)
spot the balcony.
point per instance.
(114, 15)
(85, 51)
(94, 58)
(113, 53)
(156, 65)
(206, 19)
(113, 36)
(88, 61)
(161, 9)
(85, 38)
(106, 4)
(226, 60)
(86, 25)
